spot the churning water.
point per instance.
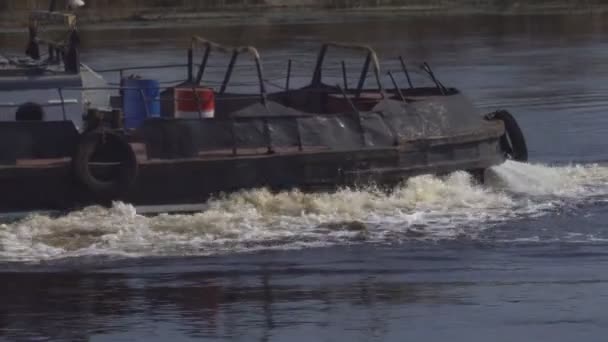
(423, 208)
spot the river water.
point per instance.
(521, 258)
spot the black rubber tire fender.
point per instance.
(119, 148)
(513, 142)
(29, 111)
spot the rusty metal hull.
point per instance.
(51, 186)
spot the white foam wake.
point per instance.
(424, 207)
(565, 181)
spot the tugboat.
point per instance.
(184, 144)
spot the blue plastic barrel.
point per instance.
(137, 108)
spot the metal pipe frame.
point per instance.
(235, 51)
(370, 60)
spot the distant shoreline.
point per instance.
(98, 18)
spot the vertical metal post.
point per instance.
(316, 78)
(377, 75)
(427, 68)
(258, 66)
(65, 117)
(407, 74)
(288, 74)
(390, 74)
(190, 65)
(344, 78)
(368, 60)
(235, 54)
(201, 69)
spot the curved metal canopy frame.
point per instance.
(371, 59)
(234, 51)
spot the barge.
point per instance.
(85, 146)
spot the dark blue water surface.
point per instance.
(520, 259)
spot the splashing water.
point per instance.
(424, 207)
(539, 180)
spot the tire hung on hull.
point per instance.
(29, 111)
(512, 143)
(105, 165)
